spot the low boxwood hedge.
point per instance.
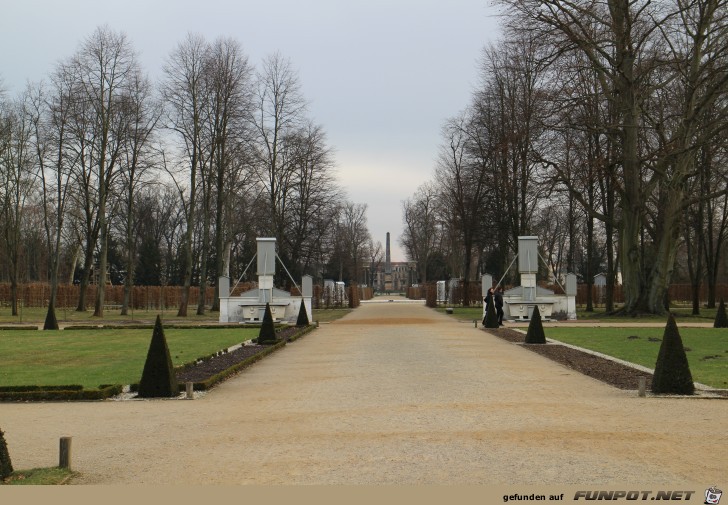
(58, 393)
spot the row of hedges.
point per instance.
(58, 393)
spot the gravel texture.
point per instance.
(370, 400)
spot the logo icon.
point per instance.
(712, 495)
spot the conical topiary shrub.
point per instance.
(721, 320)
(6, 466)
(535, 334)
(51, 322)
(302, 315)
(267, 333)
(672, 374)
(491, 318)
(158, 378)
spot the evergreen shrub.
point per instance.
(267, 333)
(158, 378)
(672, 373)
(721, 320)
(6, 466)
(302, 315)
(535, 334)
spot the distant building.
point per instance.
(393, 275)
(402, 276)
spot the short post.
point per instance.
(642, 385)
(190, 387)
(475, 323)
(64, 460)
(317, 324)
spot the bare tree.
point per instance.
(280, 110)
(184, 95)
(312, 190)
(464, 179)
(16, 181)
(421, 233)
(648, 58)
(136, 161)
(228, 84)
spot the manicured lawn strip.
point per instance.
(69, 315)
(707, 357)
(36, 315)
(39, 477)
(91, 358)
(681, 314)
(327, 315)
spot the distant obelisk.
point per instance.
(388, 285)
(388, 259)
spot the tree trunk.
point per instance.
(51, 322)
(129, 280)
(85, 277)
(185, 295)
(589, 255)
(631, 259)
(203, 266)
(664, 263)
(14, 296)
(103, 262)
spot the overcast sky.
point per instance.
(381, 76)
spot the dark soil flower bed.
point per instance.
(613, 373)
(205, 369)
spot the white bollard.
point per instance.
(642, 385)
(190, 390)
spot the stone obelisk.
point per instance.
(388, 268)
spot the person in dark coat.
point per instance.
(498, 300)
(488, 299)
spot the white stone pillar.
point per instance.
(571, 296)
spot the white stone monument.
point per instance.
(249, 307)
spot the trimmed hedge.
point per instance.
(721, 320)
(267, 334)
(672, 372)
(302, 315)
(535, 334)
(6, 466)
(158, 377)
(53, 393)
(150, 326)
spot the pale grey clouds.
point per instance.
(381, 76)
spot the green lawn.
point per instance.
(36, 315)
(707, 348)
(328, 315)
(39, 477)
(100, 356)
(682, 313)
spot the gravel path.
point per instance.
(393, 393)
